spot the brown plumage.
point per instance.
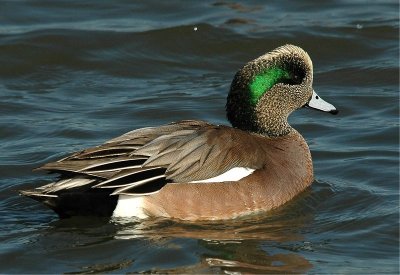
(163, 165)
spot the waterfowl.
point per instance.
(194, 170)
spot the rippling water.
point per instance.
(76, 73)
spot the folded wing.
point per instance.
(144, 160)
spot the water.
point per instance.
(76, 73)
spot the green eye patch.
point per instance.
(264, 81)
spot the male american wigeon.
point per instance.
(194, 170)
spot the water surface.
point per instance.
(76, 73)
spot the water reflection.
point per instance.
(251, 244)
(262, 243)
(255, 227)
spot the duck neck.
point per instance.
(269, 117)
(273, 128)
(270, 120)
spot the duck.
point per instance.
(195, 170)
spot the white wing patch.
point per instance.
(133, 206)
(235, 174)
(130, 206)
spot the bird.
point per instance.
(195, 170)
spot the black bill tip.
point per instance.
(334, 112)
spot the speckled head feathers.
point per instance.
(267, 89)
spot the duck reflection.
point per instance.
(273, 242)
(261, 243)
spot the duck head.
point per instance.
(268, 89)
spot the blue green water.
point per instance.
(76, 73)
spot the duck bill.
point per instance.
(319, 104)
